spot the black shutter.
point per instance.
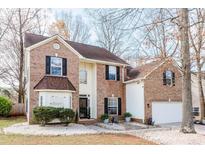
(105, 105)
(48, 64)
(118, 73)
(119, 106)
(64, 66)
(173, 78)
(164, 78)
(107, 72)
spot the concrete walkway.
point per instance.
(71, 129)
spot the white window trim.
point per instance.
(111, 66)
(44, 97)
(114, 106)
(59, 67)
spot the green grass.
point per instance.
(5, 122)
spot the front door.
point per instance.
(83, 107)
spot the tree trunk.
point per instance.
(187, 125)
(200, 89)
(21, 62)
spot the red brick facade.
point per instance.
(107, 88)
(37, 69)
(154, 90)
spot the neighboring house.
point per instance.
(154, 90)
(195, 95)
(62, 73)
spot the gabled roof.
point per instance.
(87, 51)
(141, 72)
(54, 83)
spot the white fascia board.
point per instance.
(102, 62)
(134, 80)
(52, 38)
(53, 90)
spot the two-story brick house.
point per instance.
(63, 73)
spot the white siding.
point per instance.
(135, 99)
(89, 88)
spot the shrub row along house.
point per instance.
(93, 81)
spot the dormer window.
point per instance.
(169, 78)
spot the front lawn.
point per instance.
(5, 122)
(64, 140)
(73, 140)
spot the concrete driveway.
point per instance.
(199, 128)
(169, 134)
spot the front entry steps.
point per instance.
(87, 121)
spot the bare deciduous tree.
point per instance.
(59, 28)
(187, 125)
(23, 20)
(161, 39)
(110, 34)
(78, 30)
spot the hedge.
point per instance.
(44, 115)
(5, 106)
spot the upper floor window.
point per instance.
(56, 66)
(83, 76)
(169, 78)
(112, 72)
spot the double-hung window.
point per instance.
(56, 66)
(112, 73)
(113, 106)
(83, 76)
(169, 78)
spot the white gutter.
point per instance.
(134, 80)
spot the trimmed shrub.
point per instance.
(66, 115)
(44, 115)
(5, 106)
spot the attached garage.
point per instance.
(166, 112)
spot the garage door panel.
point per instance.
(166, 112)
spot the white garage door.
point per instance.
(166, 112)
